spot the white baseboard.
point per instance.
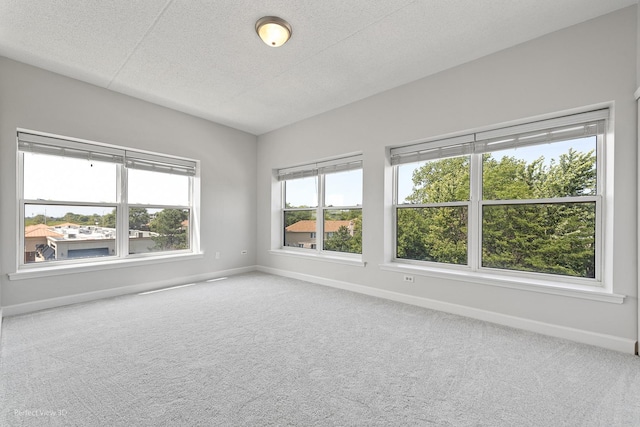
(28, 307)
(586, 337)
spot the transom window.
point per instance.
(331, 191)
(525, 199)
(83, 201)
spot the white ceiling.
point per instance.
(203, 57)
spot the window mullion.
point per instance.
(600, 211)
(475, 213)
(20, 232)
(320, 214)
(283, 212)
(122, 227)
(394, 212)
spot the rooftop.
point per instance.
(309, 226)
(40, 230)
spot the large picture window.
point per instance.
(83, 201)
(524, 199)
(323, 199)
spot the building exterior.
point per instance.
(68, 241)
(36, 236)
(302, 234)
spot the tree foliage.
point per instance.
(344, 239)
(291, 217)
(138, 219)
(339, 241)
(557, 238)
(169, 231)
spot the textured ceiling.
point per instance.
(203, 57)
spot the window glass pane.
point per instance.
(434, 181)
(559, 169)
(554, 238)
(301, 193)
(343, 230)
(157, 188)
(58, 232)
(300, 229)
(343, 188)
(75, 180)
(155, 230)
(437, 234)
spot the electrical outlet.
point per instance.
(408, 279)
(217, 255)
(243, 252)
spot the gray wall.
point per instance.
(35, 99)
(638, 139)
(587, 64)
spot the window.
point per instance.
(525, 199)
(331, 191)
(88, 201)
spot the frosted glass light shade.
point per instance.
(273, 31)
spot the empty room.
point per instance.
(331, 213)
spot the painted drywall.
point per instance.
(35, 99)
(588, 64)
(638, 139)
(638, 50)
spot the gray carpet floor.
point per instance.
(261, 350)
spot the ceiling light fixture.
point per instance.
(273, 31)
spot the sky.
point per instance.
(341, 189)
(77, 180)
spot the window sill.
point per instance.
(541, 286)
(58, 270)
(320, 257)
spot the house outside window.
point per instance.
(525, 200)
(330, 190)
(84, 202)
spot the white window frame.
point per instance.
(319, 170)
(145, 160)
(474, 145)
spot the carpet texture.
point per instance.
(261, 350)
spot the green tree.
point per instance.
(355, 244)
(436, 234)
(109, 220)
(557, 238)
(139, 219)
(352, 240)
(291, 217)
(37, 219)
(170, 234)
(76, 218)
(440, 181)
(340, 241)
(574, 174)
